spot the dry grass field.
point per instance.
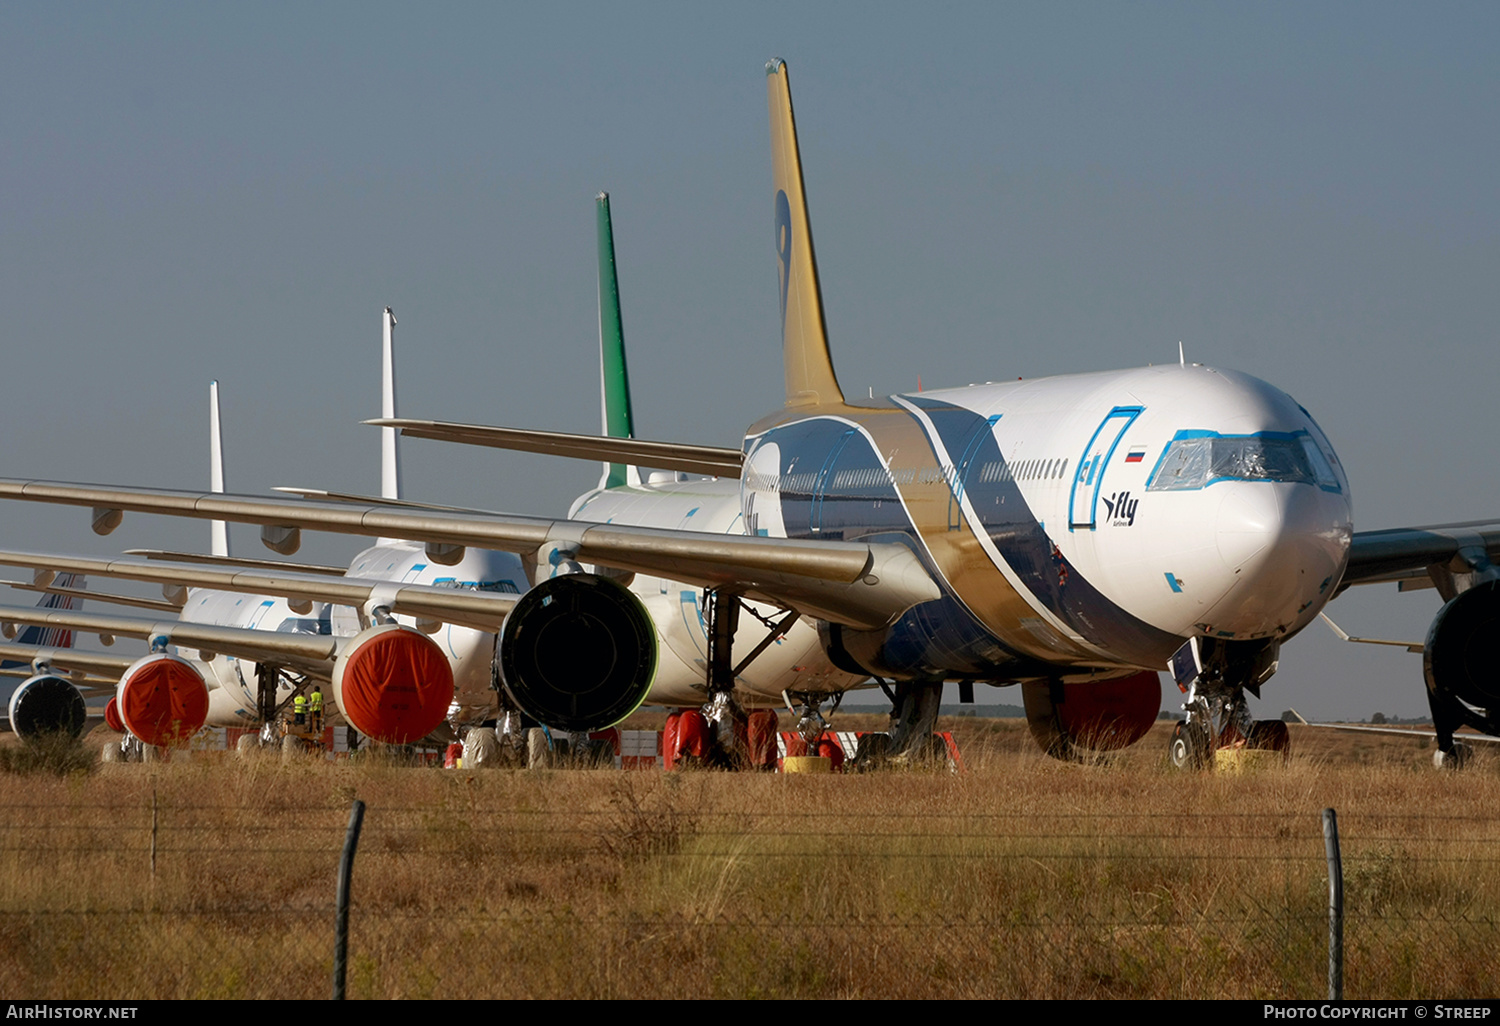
(1021, 877)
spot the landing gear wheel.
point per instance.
(538, 751)
(760, 739)
(692, 741)
(830, 749)
(872, 751)
(1189, 747)
(1271, 736)
(1455, 758)
(936, 751)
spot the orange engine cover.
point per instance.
(393, 684)
(162, 699)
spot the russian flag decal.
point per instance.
(1136, 455)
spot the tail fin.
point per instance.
(390, 453)
(218, 529)
(40, 636)
(614, 376)
(804, 337)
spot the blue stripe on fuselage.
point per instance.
(860, 503)
(1008, 521)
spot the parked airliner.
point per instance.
(1075, 535)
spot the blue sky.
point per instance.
(1302, 192)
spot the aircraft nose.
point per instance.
(1283, 546)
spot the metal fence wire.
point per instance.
(654, 895)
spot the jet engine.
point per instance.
(1067, 719)
(162, 699)
(393, 684)
(1459, 661)
(578, 652)
(46, 704)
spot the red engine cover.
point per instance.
(162, 699)
(112, 716)
(393, 684)
(1110, 714)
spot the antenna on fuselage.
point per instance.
(617, 420)
(390, 452)
(218, 530)
(810, 380)
(1181, 355)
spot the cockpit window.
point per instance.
(1191, 463)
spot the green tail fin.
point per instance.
(614, 377)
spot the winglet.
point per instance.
(218, 530)
(390, 452)
(617, 419)
(810, 379)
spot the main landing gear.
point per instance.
(1214, 677)
(721, 733)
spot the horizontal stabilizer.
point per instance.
(1411, 646)
(690, 459)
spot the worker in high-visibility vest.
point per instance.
(299, 709)
(315, 708)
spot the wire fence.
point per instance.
(658, 895)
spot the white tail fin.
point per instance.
(390, 452)
(218, 529)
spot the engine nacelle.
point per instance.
(392, 683)
(162, 699)
(578, 652)
(1460, 658)
(46, 704)
(1099, 716)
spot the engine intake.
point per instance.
(162, 699)
(46, 704)
(393, 684)
(578, 652)
(1458, 662)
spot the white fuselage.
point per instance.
(1091, 520)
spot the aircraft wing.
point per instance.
(484, 611)
(96, 666)
(862, 585)
(692, 459)
(84, 594)
(1405, 553)
(308, 653)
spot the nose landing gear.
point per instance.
(1214, 677)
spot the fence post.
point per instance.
(341, 923)
(1335, 906)
(153, 832)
